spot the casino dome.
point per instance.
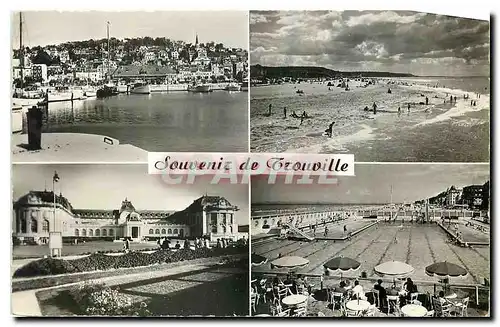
(43, 197)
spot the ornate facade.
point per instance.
(35, 215)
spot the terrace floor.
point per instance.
(415, 244)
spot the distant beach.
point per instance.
(439, 131)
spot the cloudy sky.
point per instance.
(407, 42)
(53, 27)
(372, 184)
(106, 186)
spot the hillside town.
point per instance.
(158, 60)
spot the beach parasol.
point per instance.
(258, 260)
(341, 264)
(445, 270)
(394, 269)
(289, 262)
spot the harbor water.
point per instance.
(162, 122)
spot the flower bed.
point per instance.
(100, 300)
(97, 261)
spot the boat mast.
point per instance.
(21, 48)
(107, 34)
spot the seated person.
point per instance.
(340, 288)
(358, 292)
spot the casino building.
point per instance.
(33, 219)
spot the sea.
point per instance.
(180, 121)
(270, 209)
(438, 132)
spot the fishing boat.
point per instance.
(29, 96)
(17, 119)
(89, 91)
(63, 93)
(106, 91)
(141, 88)
(233, 87)
(244, 85)
(122, 87)
(167, 87)
(200, 88)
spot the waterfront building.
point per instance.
(144, 72)
(39, 73)
(452, 196)
(35, 215)
(473, 196)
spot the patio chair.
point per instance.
(414, 297)
(442, 310)
(283, 313)
(336, 298)
(376, 297)
(253, 298)
(283, 292)
(430, 313)
(372, 310)
(300, 312)
(461, 307)
(392, 303)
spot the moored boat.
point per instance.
(233, 87)
(141, 89)
(200, 88)
(106, 91)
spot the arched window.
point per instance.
(231, 229)
(163, 231)
(91, 232)
(224, 229)
(176, 231)
(34, 225)
(151, 231)
(97, 232)
(157, 231)
(77, 232)
(104, 232)
(45, 225)
(169, 231)
(84, 232)
(111, 232)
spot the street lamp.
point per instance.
(55, 179)
(55, 238)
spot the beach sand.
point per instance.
(353, 126)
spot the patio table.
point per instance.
(414, 310)
(356, 305)
(295, 299)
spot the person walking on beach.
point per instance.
(270, 109)
(426, 101)
(329, 131)
(451, 99)
(471, 102)
(284, 111)
(408, 107)
(374, 108)
(326, 231)
(399, 110)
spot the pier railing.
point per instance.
(304, 218)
